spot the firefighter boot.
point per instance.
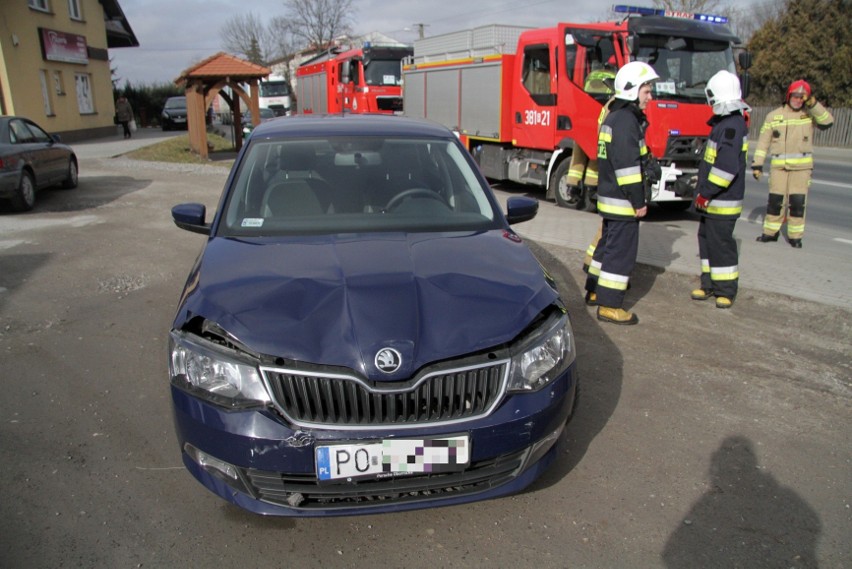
(796, 243)
(764, 238)
(591, 298)
(616, 316)
(724, 302)
(701, 294)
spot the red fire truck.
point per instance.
(363, 80)
(522, 99)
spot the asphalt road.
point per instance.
(704, 438)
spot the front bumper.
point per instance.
(255, 460)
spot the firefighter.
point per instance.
(622, 157)
(599, 81)
(787, 136)
(720, 190)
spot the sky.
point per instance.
(175, 34)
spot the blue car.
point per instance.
(363, 331)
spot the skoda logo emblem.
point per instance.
(388, 360)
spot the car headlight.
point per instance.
(543, 355)
(214, 372)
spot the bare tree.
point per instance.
(747, 19)
(700, 6)
(247, 35)
(317, 22)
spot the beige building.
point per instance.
(54, 63)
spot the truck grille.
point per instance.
(389, 103)
(684, 149)
(339, 401)
(303, 491)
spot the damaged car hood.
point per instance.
(339, 300)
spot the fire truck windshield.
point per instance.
(684, 65)
(383, 72)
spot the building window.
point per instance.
(58, 83)
(85, 102)
(74, 10)
(45, 92)
(43, 5)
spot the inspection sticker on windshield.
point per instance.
(252, 222)
(392, 457)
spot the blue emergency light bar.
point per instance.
(644, 11)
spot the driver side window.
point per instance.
(536, 77)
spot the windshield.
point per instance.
(347, 184)
(383, 72)
(684, 65)
(274, 89)
(176, 103)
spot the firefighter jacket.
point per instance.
(721, 173)
(622, 154)
(787, 137)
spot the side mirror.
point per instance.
(745, 83)
(520, 209)
(745, 59)
(56, 138)
(190, 216)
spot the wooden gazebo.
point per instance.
(204, 81)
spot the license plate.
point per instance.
(392, 457)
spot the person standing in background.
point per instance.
(787, 136)
(124, 114)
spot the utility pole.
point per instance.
(420, 29)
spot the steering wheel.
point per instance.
(412, 193)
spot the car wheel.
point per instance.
(70, 181)
(559, 181)
(166, 127)
(24, 197)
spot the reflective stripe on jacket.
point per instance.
(721, 173)
(787, 137)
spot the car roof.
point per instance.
(350, 125)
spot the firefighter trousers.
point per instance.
(719, 257)
(788, 191)
(582, 168)
(590, 250)
(615, 257)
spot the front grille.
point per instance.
(345, 401)
(303, 491)
(681, 149)
(389, 103)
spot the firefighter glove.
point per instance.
(757, 172)
(701, 202)
(810, 102)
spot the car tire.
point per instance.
(560, 187)
(70, 181)
(166, 127)
(24, 197)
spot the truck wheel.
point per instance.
(24, 197)
(558, 181)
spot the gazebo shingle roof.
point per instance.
(223, 65)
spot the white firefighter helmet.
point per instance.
(632, 76)
(723, 87)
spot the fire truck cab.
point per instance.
(363, 80)
(523, 99)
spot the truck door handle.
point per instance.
(518, 118)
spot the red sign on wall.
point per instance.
(60, 46)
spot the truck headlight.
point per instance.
(214, 372)
(543, 355)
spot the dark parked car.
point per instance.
(173, 116)
(363, 331)
(248, 125)
(30, 160)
